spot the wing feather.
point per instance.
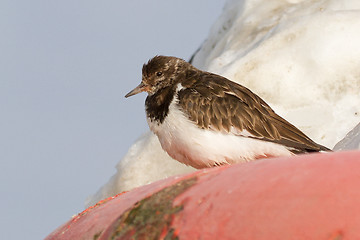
(214, 102)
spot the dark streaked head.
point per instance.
(160, 72)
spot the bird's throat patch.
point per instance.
(157, 105)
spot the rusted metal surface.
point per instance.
(314, 196)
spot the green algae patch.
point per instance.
(151, 217)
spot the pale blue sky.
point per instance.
(65, 67)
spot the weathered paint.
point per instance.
(313, 196)
(151, 217)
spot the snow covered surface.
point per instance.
(300, 56)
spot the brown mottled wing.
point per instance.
(214, 102)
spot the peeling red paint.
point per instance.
(151, 217)
(79, 215)
(313, 196)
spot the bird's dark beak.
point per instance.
(140, 88)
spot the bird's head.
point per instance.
(160, 72)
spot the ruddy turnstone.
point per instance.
(204, 120)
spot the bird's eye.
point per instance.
(158, 74)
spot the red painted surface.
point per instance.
(314, 196)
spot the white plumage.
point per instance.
(184, 141)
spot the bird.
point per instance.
(205, 120)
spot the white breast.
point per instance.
(189, 144)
